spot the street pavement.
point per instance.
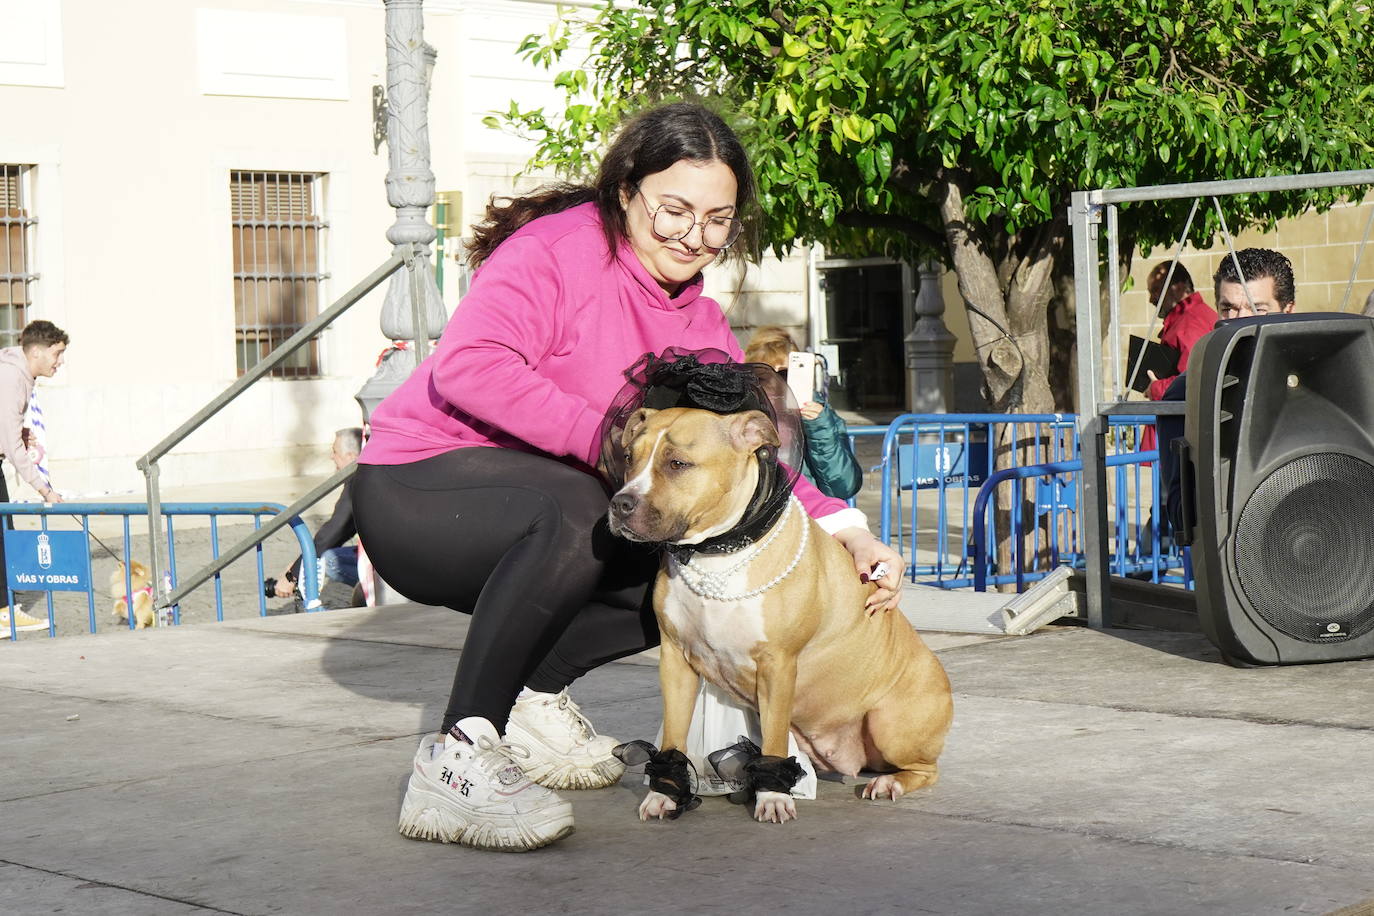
(256, 766)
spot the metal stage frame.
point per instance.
(1088, 211)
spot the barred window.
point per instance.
(17, 228)
(277, 266)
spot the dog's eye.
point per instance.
(678, 465)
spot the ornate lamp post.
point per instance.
(929, 348)
(413, 309)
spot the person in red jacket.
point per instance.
(1186, 318)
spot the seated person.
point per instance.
(337, 563)
(1186, 318)
(1267, 289)
(830, 461)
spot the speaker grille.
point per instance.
(1303, 548)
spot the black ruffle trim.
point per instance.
(744, 762)
(669, 772)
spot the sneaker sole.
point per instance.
(566, 774)
(426, 815)
(552, 770)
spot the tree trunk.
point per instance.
(1007, 300)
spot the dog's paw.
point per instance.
(656, 804)
(885, 786)
(774, 807)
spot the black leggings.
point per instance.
(520, 542)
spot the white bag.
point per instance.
(718, 722)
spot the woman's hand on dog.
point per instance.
(869, 552)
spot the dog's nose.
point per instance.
(624, 504)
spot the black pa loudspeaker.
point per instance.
(1280, 444)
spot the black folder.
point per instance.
(1160, 359)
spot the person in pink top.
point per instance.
(478, 491)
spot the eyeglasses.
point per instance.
(672, 223)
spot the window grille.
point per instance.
(17, 228)
(277, 266)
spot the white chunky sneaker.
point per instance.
(565, 751)
(472, 792)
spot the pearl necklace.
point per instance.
(712, 584)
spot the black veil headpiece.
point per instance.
(709, 380)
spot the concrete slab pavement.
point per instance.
(257, 766)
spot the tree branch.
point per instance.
(1225, 84)
(910, 178)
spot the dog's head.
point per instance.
(690, 474)
(138, 575)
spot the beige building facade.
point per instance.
(185, 181)
(181, 181)
(1332, 265)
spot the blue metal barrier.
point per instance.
(1021, 575)
(856, 433)
(952, 455)
(309, 582)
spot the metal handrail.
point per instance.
(148, 463)
(287, 516)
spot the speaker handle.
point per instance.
(1187, 496)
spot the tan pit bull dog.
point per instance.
(780, 625)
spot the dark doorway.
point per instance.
(864, 320)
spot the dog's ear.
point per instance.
(752, 430)
(635, 424)
(140, 570)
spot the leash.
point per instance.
(116, 556)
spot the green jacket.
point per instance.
(830, 461)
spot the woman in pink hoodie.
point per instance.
(477, 488)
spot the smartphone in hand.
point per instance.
(801, 375)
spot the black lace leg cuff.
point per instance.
(744, 762)
(669, 772)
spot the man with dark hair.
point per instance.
(42, 347)
(1253, 281)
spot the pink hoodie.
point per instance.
(535, 352)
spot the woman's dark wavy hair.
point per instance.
(649, 142)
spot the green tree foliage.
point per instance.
(957, 128)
